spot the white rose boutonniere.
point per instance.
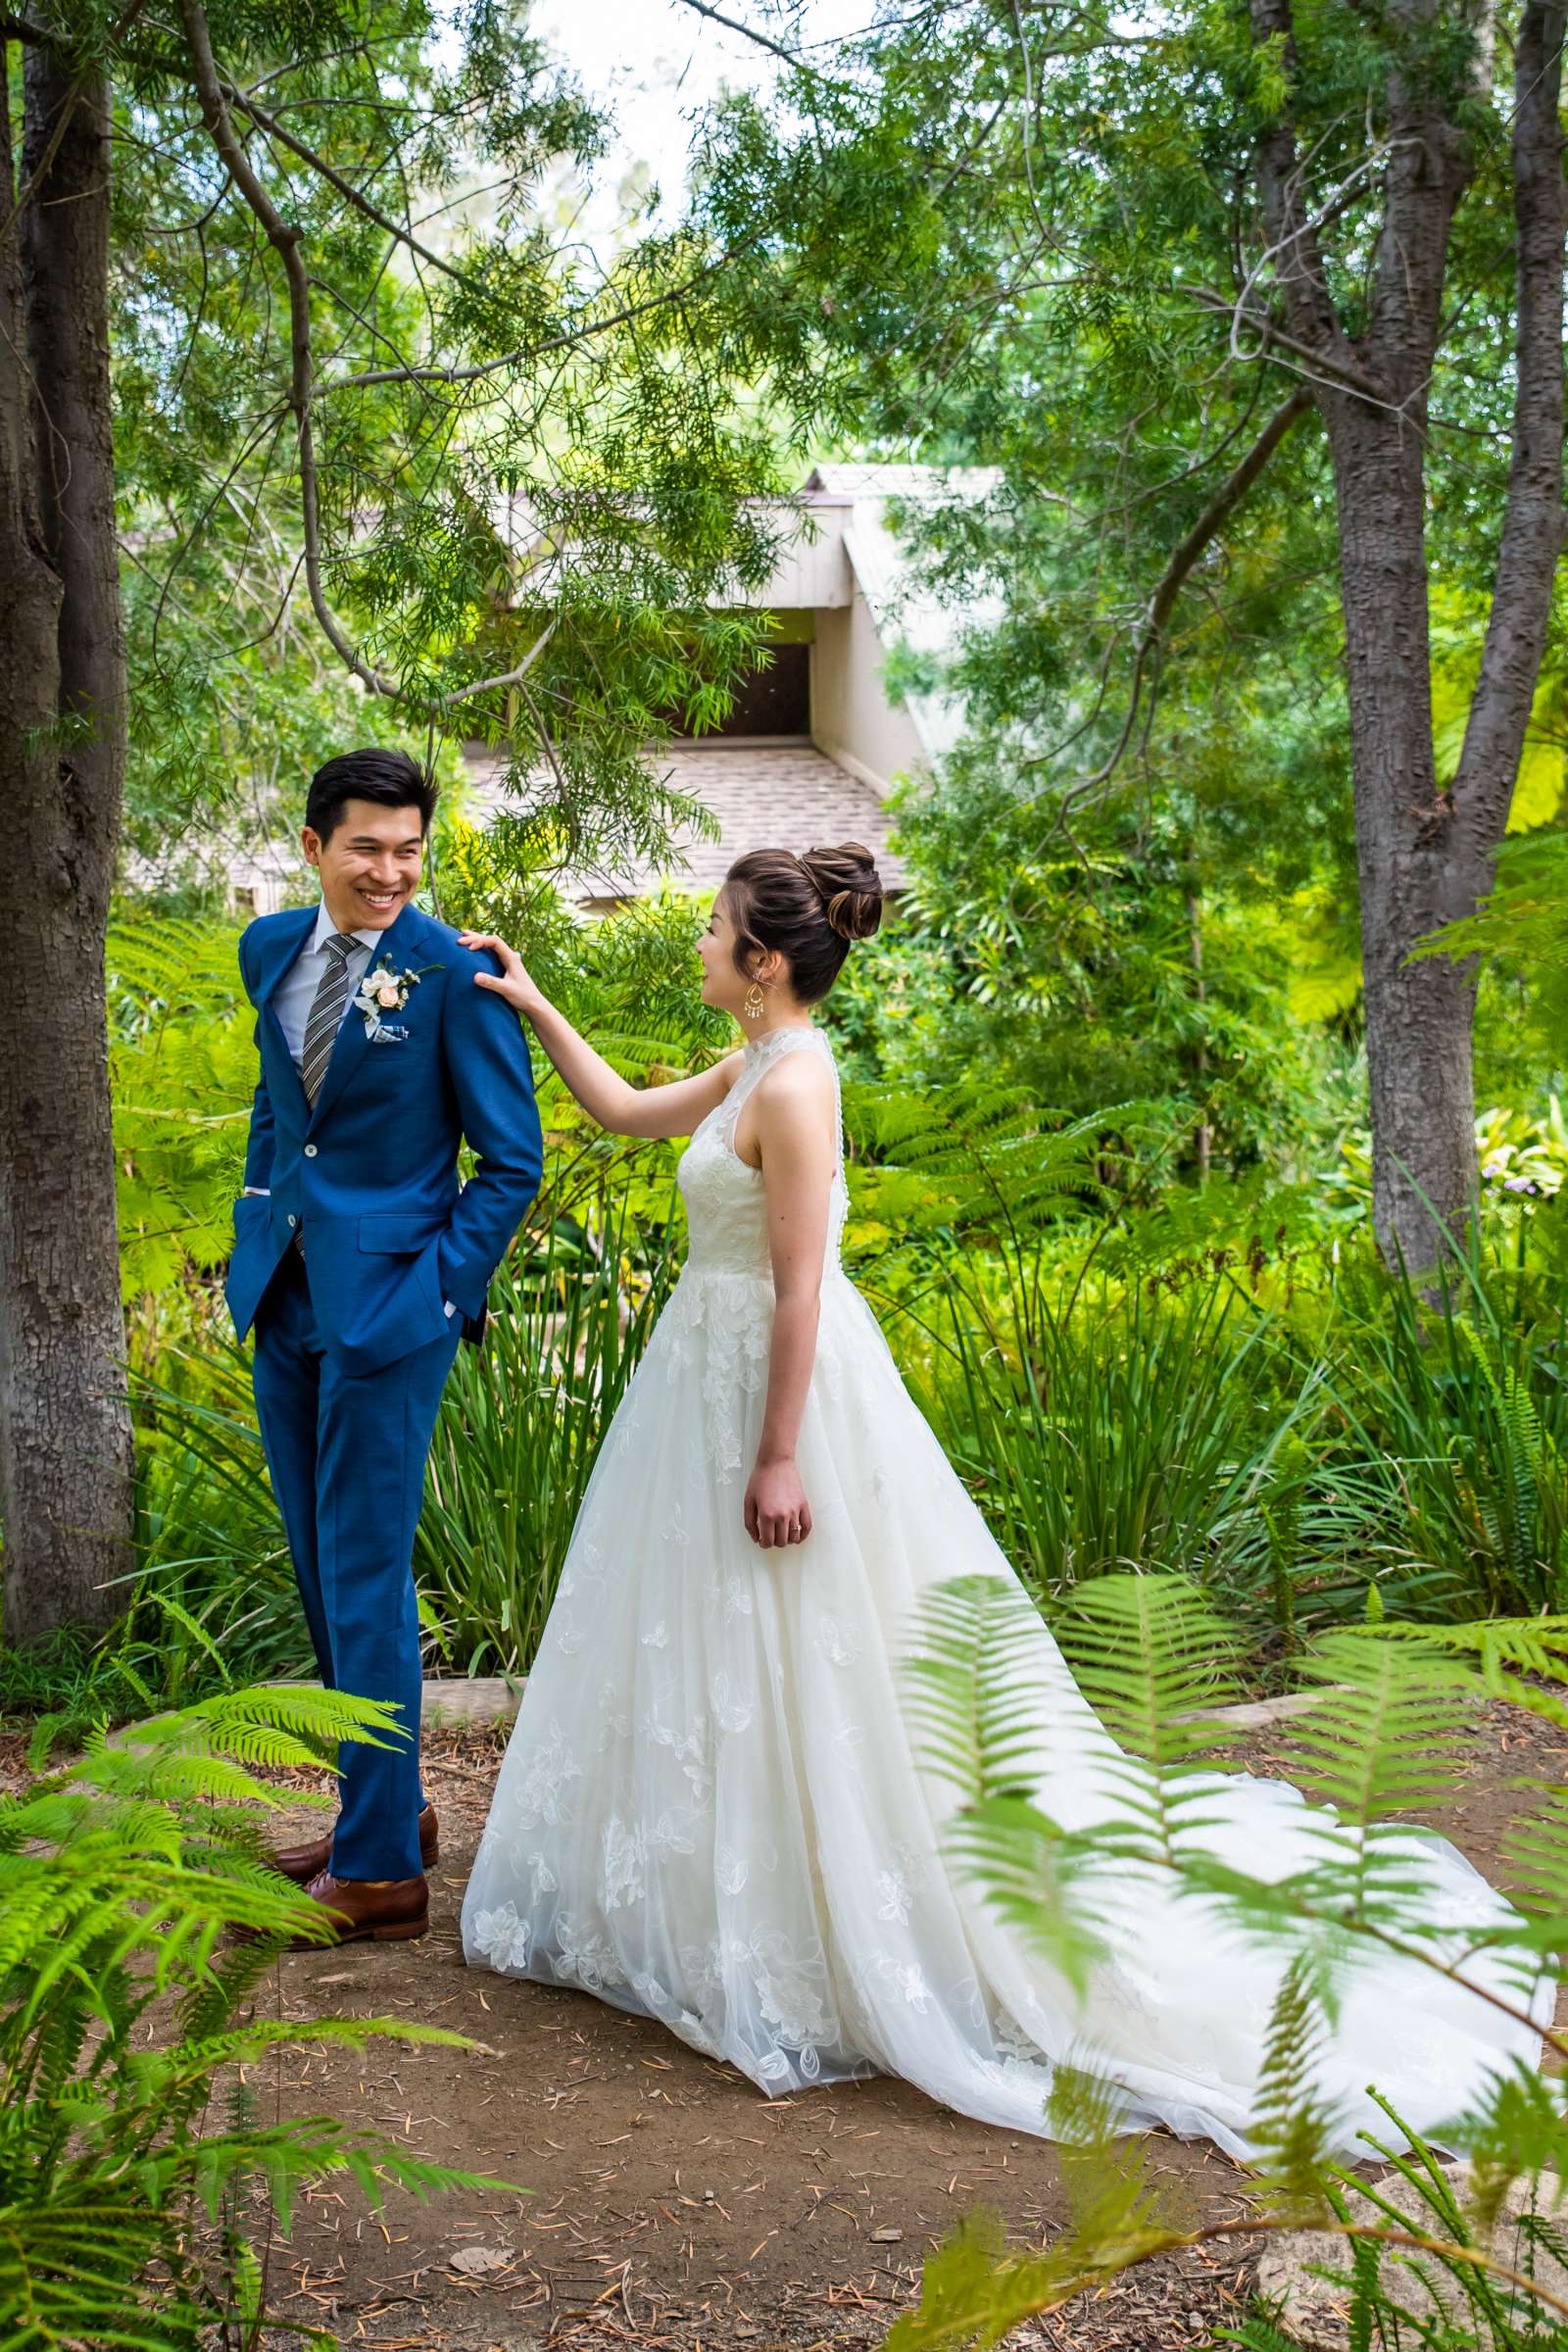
(383, 991)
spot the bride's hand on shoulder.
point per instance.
(512, 982)
(776, 1510)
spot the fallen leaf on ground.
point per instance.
(475, 2261)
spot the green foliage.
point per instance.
(211, 1605)
(183, 1069)
(520, 1426)
(1462, 1417)
(629, 980)
(1101, 1427)
(138, 1921)
(1520, 931)
(519, 456)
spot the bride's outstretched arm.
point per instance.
(796, 1120)
(619, 1107)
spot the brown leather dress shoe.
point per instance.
(369, 1910)
(302, 1863)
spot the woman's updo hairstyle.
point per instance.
(807, 909)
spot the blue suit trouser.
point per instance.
(347, 1454)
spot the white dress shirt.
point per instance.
(296, 991)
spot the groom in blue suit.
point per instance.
(360, 1260)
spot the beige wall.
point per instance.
(851, 718)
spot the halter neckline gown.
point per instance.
(712, 1811)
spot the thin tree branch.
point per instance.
(285, 242)
(565, 340)
(507, 677)
(749, 32)
(542, 732)
(357, 197)
(1221, 506)
(1328, 369)
(1162, 601)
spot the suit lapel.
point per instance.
(352, 1040)
(291, 940)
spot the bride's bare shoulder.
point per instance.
(797, 1086)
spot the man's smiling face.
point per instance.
(369, 864)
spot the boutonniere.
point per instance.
(383, 991)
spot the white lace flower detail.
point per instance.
(587, 1561)
(501, 1938)
(702, 1965)
(674, 1833)
(905, 1978)
(893, 1896)
(789, 1985)
(730, 1870)
(622, 1879)
(837, 1646)
(615, 1724)
(657, 1637)
(732, 1709)
(583, 1958)
(545, 1774)
(693, 1751)
(731, 1596)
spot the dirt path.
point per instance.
(673, 2205)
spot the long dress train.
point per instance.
(712, 1812)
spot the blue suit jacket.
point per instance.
(370, 1174)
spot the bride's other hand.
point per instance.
(513, 982)
(776, 1510)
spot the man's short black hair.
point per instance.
(391, 779)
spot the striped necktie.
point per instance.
(326, 1013)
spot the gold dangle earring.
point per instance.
(754, 1004)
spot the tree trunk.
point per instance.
(65, 1428)
(1418, 1016)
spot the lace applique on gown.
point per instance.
(710, 1811)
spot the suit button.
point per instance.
(293, 1220)
(309, 1150)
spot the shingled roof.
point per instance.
(764, 796)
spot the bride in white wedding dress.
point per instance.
(713, 1810)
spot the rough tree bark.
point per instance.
(65, 1430)
(1425, 855)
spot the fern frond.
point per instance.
(1294, 2130)
(1385, 1738)
(1115, 2208)
(1039, 1878)
(984, 1155)
(1521, 1660)
(1517, 2130)
(1155, 1659)
(973, 2291)
(971, 1680)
